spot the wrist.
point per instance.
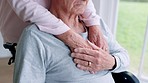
(114, 64)
(95, 29)
(73, 40)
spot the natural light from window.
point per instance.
(131, 28)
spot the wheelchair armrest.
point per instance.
(125, 77)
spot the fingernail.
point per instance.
(75, 50)
(72, 54)
(78, 65)
(75, 60)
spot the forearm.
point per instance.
(95, 35)
(95, 29)
(90, 16)
(31, 11)
(73, 40)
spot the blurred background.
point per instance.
(131, 33)
(127, 20)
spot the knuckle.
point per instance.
(82, 56)
(97, 61)
(86, 63)
(86, 57)
(97, 54)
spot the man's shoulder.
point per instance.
(34, 30)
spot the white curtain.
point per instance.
(108, 10)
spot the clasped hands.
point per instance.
(89, 56)
(95, 59)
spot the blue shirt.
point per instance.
(42, 58)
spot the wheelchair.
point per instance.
(125, 77)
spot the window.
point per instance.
(130, 32)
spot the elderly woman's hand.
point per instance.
(93, 60)
(73, 40)
(95, 36)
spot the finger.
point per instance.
(84, 63)
(83, 57)
(84, 68)
(92, 72)
(105, 48)
(92, 69)
(81, 62)
(93, 45)
(94, 62)
(91, 41)
(87, 51)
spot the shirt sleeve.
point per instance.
(32, 11)
(29, 61)
(90, 16)
(115, 49)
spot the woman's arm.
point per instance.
(90, 16)
(32, 11)
(92, 21)
(73, 40)
(96, 37)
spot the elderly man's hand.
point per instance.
(93, 60)
(95, 36)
